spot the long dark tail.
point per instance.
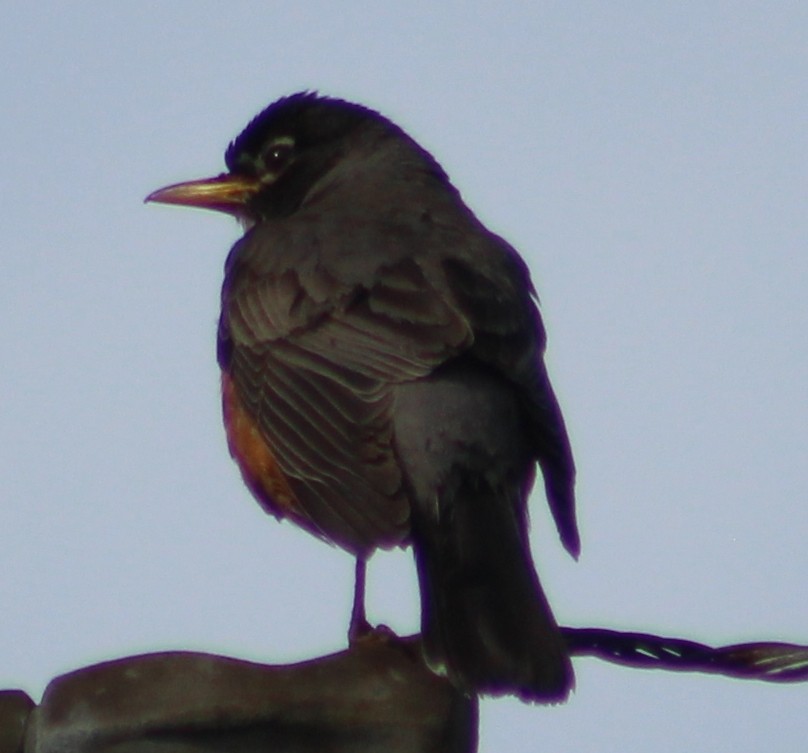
(486, 623)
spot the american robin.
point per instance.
(383, 382)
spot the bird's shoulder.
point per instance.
(391, 293)
(323, 260)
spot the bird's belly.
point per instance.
(254, 457)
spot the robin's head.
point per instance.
(285, 152)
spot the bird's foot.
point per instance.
(358, 630)
(366, 633)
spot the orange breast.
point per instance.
(254, 457)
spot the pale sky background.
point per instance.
(649, 160)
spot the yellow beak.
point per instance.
(224, 193)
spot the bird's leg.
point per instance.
(359, 626)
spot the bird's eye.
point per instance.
(277, 156)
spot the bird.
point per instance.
(383, 379)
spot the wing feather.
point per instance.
(319, 384)
(316, 358)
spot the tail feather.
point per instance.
(485, 620)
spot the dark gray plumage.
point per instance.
(386, 350)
